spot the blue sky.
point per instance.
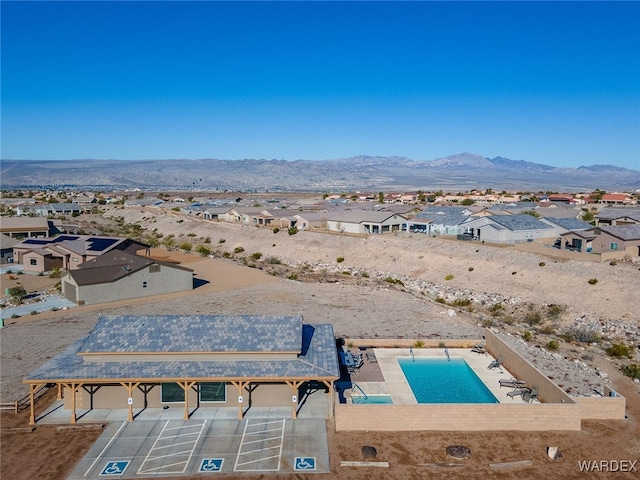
(549, 82)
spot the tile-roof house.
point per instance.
(192, 361)
(618, 216)
(118, 275)
(509, 228)
(439, 221)
(563, 225)
(69, 251)
(364, 221)
(623, 239)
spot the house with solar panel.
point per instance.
(190, 362)
(67, 252)
(508, 228)
(118, 275)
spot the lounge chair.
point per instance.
(512, 383)
(372, 357)
(531, 395)
(518, 392)
(495, 364)
(480, 350)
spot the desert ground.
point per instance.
(354, 296)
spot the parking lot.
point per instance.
(161, 448)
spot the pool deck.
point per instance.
(396, 385)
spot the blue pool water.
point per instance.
(435, 380)
(372, 400)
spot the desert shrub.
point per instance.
(471, 269)
(442, 345)
(613, 263)
(581, 334)
(238, 250)
(448, 277)
(548, 330)
(276, 230)
(34, 312)
(527, 335)
(441, 300)
(488, 322)
(541, 264)
(554, 310)
(226, 255)
(533, 318)
(186, 246)
(340, 259)
(620, 350)
(222, 240)
(394, 281)
(553, 345)
(191, 234)
(514, 273)
(292, 230)
(346, 272)
(418, 344)
(256, 255)
(631, 370)
(207, 240)
(15, 315)
(273, 261)
(203, 251)
(293, 276)
(461, 302)
(364, 275)
(592, 281)
(17, 293)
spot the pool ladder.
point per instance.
(411, 352)
(355, 385)
(446, 352)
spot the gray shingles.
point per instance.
(317, 357)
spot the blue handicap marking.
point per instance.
(211, 465)
(305, 463)
(114, 468)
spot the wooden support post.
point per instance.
(240, 386)
(294, 398)
(32, 415)
(332, 398)
(186, 386)
(59, 391)
(130, 386)
(74, 388)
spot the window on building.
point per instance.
(154, 268)
(172, 393)
(144, 284)
(33, 261)
(213, 392)
(613, 246)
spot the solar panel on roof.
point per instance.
(99, 244)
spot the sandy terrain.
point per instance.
(363, 306)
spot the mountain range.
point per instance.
(460, 172)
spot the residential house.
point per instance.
(616, 199)
(618, 216)
(118, 275)
(563, 225)
(508, 228)
(67, 252)
(364, 222)
(619, 238)
(191, 362)
(26, 227)
(445, 221)
(6, 248)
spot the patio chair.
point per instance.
(480, 350)
(518, 392)
(512, 383)
(531, 395)
(372, 357)
(495, 364)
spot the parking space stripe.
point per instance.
(124, 424)
(257, 431)
(160, 445)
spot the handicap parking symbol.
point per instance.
(305, 463)
(211, 465)
(114, 468)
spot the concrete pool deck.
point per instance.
(396, 384)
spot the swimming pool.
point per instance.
(438, 380)
(371, 400)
